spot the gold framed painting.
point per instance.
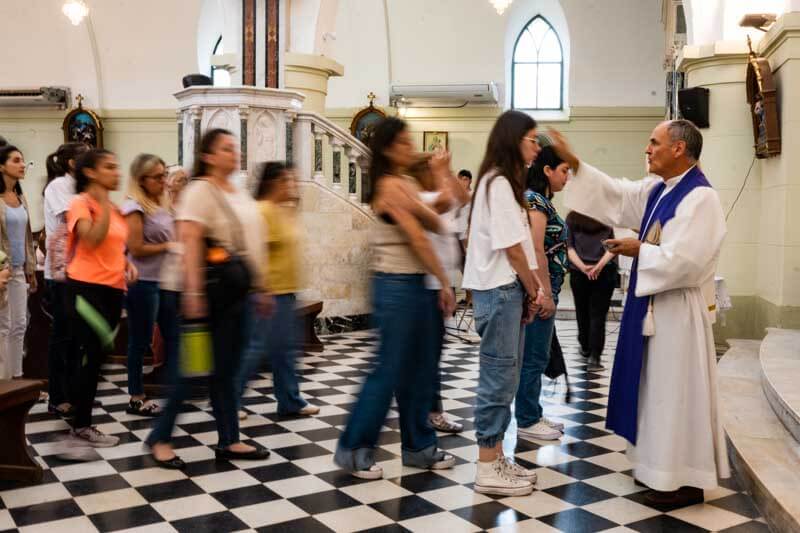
(434, 140)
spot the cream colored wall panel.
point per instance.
(771, 260)
(738, 263)
(774, 210)
(792, 226)
(743, 222)
(791, 279)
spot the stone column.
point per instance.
(337, 164)
(319, 175)
(179, 115)
(352, 161)
(302, 148)
(309, 75)
(727, 155)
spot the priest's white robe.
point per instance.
(680, 441)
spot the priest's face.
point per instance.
(662, 156)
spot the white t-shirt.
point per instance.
(57, 197)
(445, 244)
(497, 224)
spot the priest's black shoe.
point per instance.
(259, 454)
(683, 497)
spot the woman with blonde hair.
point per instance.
(151, 228)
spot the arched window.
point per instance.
(220, 76)
(537, 68)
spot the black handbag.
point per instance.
(228, 276)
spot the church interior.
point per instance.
(305, 81)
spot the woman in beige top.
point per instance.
(402, 255)
(212, 216)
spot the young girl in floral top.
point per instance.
(546, 177)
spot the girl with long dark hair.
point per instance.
(58, 194)
(546, 177)
(505, 292)
(16, 245)
(98, 273)
(402, 254)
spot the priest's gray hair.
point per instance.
(686, 131)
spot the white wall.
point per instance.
(616, 45)
(709, 21)
(144, 47)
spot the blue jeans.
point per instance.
(276, 336)
(436, 343)
(498, 317)
(538, 338)
(146, 307)
(404, 368)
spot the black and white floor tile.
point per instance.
(584, 479)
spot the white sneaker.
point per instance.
(495, 478)
(553, 424)
(242, 414)
(447, 461)
(95, 438)
(539, 431)
(374, 472)
(309, 410)
(519, 471)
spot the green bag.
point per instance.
(96, 321)
(196, 350)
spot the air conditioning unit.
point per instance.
(443, 95)
(57, 97)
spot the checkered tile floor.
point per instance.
(584, 480)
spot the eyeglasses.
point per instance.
(534, 140)
(157, 177)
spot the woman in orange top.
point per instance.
(97, 273)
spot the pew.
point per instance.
(17, 396)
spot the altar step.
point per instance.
(764, 452)
(780, 364)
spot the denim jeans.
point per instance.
(146, 306)
(276, 336)
(404, 368)
(60, 375)
(498, 316)
(536, 355)
(436, 345)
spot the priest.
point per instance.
(663, 394)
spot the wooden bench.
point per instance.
(16, 398)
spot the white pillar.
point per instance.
(303, 148)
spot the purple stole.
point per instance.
(623, 398)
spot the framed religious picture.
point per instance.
(365, 120)
(434, 140)
(763, 99)
(83, 125)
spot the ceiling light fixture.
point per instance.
(75, 10)
(501, 5)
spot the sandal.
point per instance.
(66, 412)
(174, 463)
(143, 408)
(440, 422)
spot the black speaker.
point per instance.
(693, 104)
(196, 79)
